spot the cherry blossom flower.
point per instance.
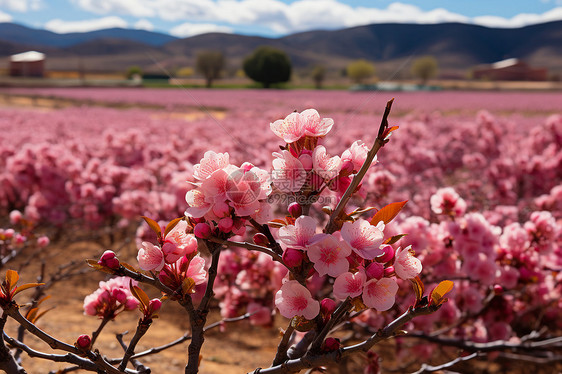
(289, 129)
(301, 234)
(364, 238)
(380, 294)
(150, 257)
(447, 201)
(210, 162)
(313, 125)
(406, 266)
(178, 243)
(245, 189)
(357, 154)
(329, 256)
(198, 206)
(328, 168)
(349, 284)
(288, 174)
(293, 299)
(111, 298)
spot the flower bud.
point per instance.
(261, 239)
(109, 260)
(203, 231)
(221, 209)
(331, 344)
(120, 295)
(9, 233)
(83, 342)
(389, 271)
(154, 305)
(20, 239)
(226, 224)
(327, 307)
(387, 255)
(498, 290)
(295, 209)
(292, 257)
(375, 270)
(43, 241)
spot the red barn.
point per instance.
(27, 64)
(510, 70)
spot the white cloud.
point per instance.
(299, 15)
(5, 17)
(21, 5)
(143, 24)
(189, 29)
(63, 27)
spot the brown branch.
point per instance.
(142, 328)
(250, 246)
(425, 368)
(379, 142)
(283, 346)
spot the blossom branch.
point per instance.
(264, 229)
(96, 333)
(142, 328)
(250, 246)
(283, 346)
(337, 316)
(8, 362)
(332, 226)
(425, 368)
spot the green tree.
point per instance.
(424, 68)
(133, 71)
(210, 64)
(360, 70)
(318, 75)
(268, 65)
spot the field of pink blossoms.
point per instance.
(105, 157)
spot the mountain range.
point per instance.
(457, 47)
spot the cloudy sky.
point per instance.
(267, 17)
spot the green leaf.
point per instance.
(387, 213)
(170, 226)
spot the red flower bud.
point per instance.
(109, 259)
(226, 224)
(331, 344)
(375, 270)
(83, 342)
(203, 231)
(327, 307)
(387, 255)
(292, 257)
(261, 239)
(389, 271)
(154, 305)
(295, 209)
(498, 290)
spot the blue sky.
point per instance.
(268, 17)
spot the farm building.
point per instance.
(27, 64)
(510, 70)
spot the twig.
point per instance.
(425, 368)
(8, 363)
(332, 226)
(250, 246)
(142, 328)
(138, 365)
(281, 354)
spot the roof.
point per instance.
(505, 63)
(28, 56)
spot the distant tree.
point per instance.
(360, 70)
(210, 64)
(318, 75)
(424, 68)
(184, 72)
(133, 71)
(268, 65)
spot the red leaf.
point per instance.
(394, 239)
(24, 287)
(154, 226)
(387, 213)
(171, 225)
(12, 278)
(140, 295)
(437, 294)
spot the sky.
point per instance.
(270, 18)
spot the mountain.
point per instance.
(24, 35)
(457, 47)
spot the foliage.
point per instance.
(210, 64)
(424, 68)
(133, 71)
(318, 75)
(268, 65)
(360, 70)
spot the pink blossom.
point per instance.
(184, 242)
(364, 238)
(197, 204)
(288, 173)
(327, 167)
(357, 154)
(406, 265)
(245, 189)
(289, 129)
(349, 284)
(150, 257)
(111, 298)
(293, 299)
(447, 201)
(196, 270)
(380, 294)
(43, 241)
(313, 125)
(15, 217)
(210, 162)
(301, 234)
(329, 256)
